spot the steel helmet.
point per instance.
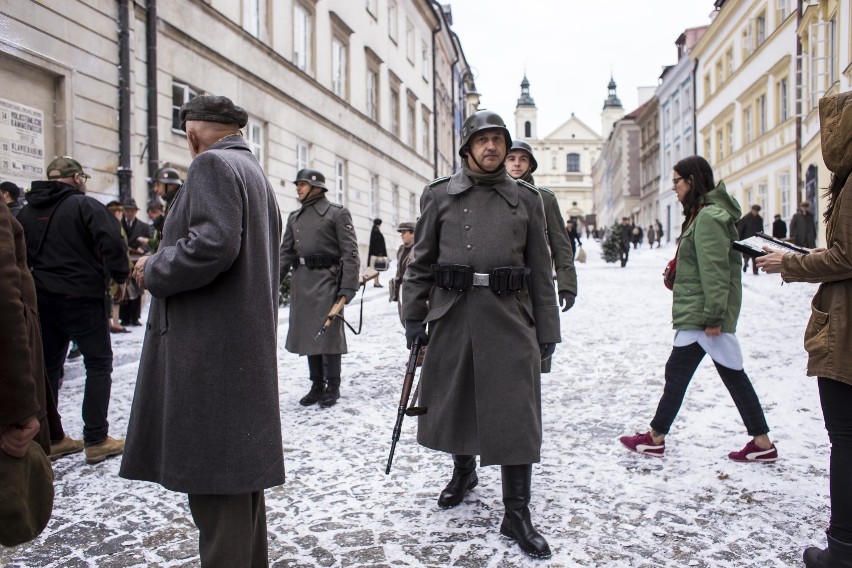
(521, 145)
(312, 177)
(482, 120)
(168, 176)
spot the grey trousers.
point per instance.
(232, 530)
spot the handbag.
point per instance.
(381, 263)
(581, 254)
(670, 272)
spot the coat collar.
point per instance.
(322, 205)
(507, 188)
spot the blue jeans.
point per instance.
(85, 321)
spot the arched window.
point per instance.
(573, 162)
(528, 129)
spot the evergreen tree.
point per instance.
(611, 249)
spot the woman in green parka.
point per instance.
(706, 306)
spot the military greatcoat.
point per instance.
(321, 227)
(560, 245)
(481, 379)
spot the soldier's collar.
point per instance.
(321, 204)
(507, 188)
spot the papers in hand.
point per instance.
(753, 246)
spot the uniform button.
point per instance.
(469, 247)
(297, 230)
(465, 210)
(467, 227)
(297, 240)
(514, 211)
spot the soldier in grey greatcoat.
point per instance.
(320, 246)
(480, 278)
(403, 257)
(205, 418)
(521, 164)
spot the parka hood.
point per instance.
(719, 196)
(835, 119)
(45, 193)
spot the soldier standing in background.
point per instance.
(137, 233)
(320, 246)
(521, 164)
(167, 183)
(480, 277)
(403, 257)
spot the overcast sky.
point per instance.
(568, 48)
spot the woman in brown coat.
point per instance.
(828, 337)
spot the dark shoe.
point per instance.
(464, 479)
(331, 394)
(118, 329)
(74, 353)
(135, 323)
(516, 521)
(837, 555)
(316, 392)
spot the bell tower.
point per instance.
(526, 114)
(612, 110)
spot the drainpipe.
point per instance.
(439, 14)
(799, 183)
(151, 76)
(124, 171)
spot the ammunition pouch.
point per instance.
(463, 277)
(318, 260)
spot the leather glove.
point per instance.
(413, 330)
(566, 299)
(347, 293)
(547, 349)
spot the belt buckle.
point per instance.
(302, 261)
(481, 279)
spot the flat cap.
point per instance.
(63, 167)
(212, 108)
(405, 226)
(130, 204)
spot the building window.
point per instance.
(783, 103)
(424, 130)
(410, 124)
(412, 207)
(374, 196)
(301, 155)
(394, 110)
(393, 20)
(782, 10)
(254, 137)
(528, 129)
(729, 131)
(181, 93)
(747, 126)
(409, 40)
(302, 37)
(708, 149)
(748, 39)
(394, 205)
(729, 59)
(760, 28)
(761, 195)
(708, 87)
(340, 181)
(373, 94)
(573, 162)
(372, 8)
(253, 16)
(424, 59)
(761, 114)
(720, 144)
(719, 72)
(339, 67)
(784, 190)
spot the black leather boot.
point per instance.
(464, 479)
(837, 555)
(516, 522)
(331, 394)
(317, 388)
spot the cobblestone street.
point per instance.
(597, 504)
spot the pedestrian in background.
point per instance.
(803, 226)
(74, 247)
(659, 233)
(205, 419)
(137, 233)
(626, 239)
(779, 228)
(377, 248)
(652, 235)
(828, 336)
(403, 257)
(117, 209)
(749, 226)
(11, 196)
(706, 306)
(321, 248)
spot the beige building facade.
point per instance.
(372, 93)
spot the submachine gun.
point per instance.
(404, 409)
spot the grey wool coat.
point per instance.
(560, 246)
(481, 379)
(320, 227)
(205, 415)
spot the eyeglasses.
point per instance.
(675, 180)
(86, 177)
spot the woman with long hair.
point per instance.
(707, 297)
(828, 337)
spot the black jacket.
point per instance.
(74, 243)
(377, 243)
(779, 229)
(749, 225)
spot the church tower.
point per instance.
(526, 113)
(612, 110)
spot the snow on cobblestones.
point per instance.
(596, 503)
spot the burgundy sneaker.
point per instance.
(752, 453)
(643, 444)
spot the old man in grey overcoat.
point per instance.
(481, 378)
(205, 418)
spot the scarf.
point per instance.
(488, 179)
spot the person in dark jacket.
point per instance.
(803, 230)
(377, 247)
(11, 196)
(403, 257)
(70, 239)
(137, 233)
(320, 247)
(490, 306)
(749, 226)
(779, 228)
(167, 184)
(626, 239)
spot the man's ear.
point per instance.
(192, 142)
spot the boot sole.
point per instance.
(531, 553)
(454, 505)
(99, 459)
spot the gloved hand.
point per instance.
(347, 293)
(566, 299)
(547, 349)
(414, 329)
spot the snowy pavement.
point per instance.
(597, 504)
